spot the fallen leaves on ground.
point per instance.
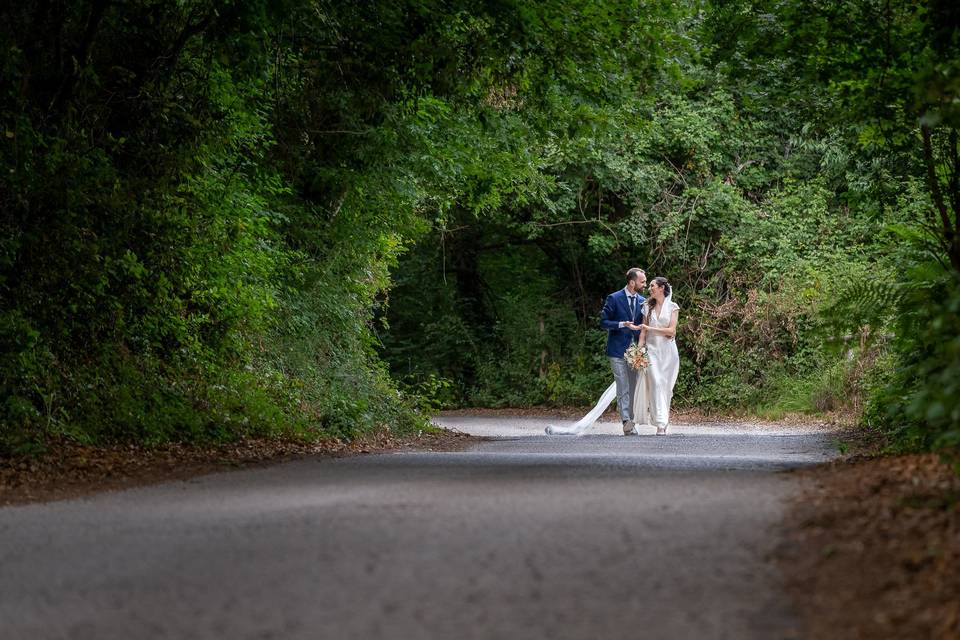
(874, 549)
(69, 470)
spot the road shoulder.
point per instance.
(70, 470)
(872, 548)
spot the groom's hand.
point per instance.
(632, 327)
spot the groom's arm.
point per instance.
(609, 311)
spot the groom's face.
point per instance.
(639, 284)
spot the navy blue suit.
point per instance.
(616, 310)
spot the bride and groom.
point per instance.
(644, 395)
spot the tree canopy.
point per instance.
(225, 218)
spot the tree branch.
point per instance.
(566, 222)
(33, 44)
(188, 32)
(955, 179)
(324, 132)
(81, 56)
(934, 184)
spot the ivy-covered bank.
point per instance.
(222, 219)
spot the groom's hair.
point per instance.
(635, 273)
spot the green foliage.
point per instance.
(222, 219)
(914, 394)
(772, 184)
(656, 185)
(201, 202)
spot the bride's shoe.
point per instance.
(661, 431)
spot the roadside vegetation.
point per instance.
(313, 219)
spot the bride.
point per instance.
(651, 400)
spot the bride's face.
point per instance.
(655, 289)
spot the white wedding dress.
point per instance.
(651, 400)
(583, 423)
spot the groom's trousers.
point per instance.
(626, 378)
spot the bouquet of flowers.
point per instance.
(636, 356)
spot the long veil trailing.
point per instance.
(583, 423)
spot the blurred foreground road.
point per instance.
(525, 536)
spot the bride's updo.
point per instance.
(667, 290)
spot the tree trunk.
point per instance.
(543, 352)
(949, 239)
(81, 57)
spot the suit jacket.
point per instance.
(616, 310)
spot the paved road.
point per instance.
(525, 537)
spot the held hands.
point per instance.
(642, 328)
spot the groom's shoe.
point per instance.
(630, 429)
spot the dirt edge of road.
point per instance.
(872, 547)
(69, 470)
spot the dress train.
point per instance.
(586, 421)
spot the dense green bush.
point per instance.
(785, 190)
(223, 219)
(914, 393)
(200, 202)
(514, 301)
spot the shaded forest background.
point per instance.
(223, 219)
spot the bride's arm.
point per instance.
(670, 330)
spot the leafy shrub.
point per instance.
(915, 392)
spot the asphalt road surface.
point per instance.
(526, 536)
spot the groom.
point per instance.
(622, 316)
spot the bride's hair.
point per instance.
(660, 281)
